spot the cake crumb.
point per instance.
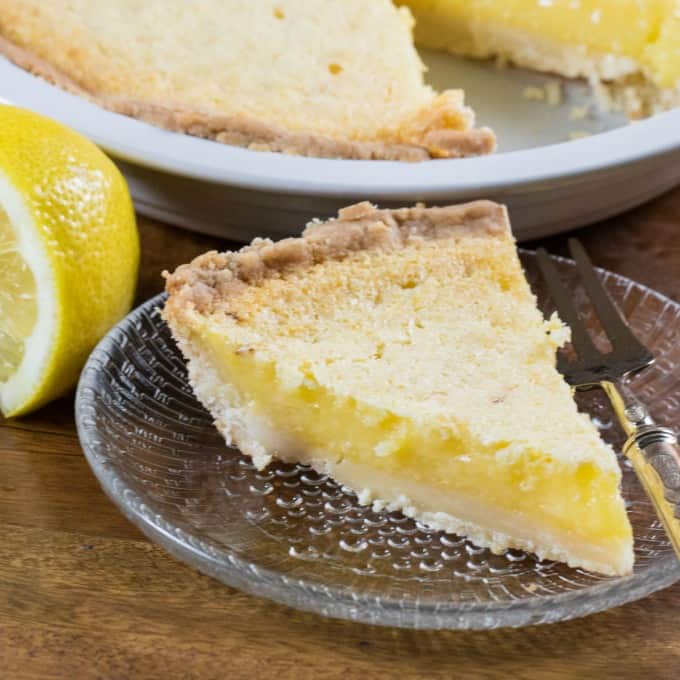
(553, 92)
(578, 134)
(364, 497)
(579, 112)
(533, 93)
(501, 61)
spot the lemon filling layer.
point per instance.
(579, 497)
(647, 33)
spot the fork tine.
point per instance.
(618, 331)
(580, 339)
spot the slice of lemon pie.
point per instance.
(402, 352)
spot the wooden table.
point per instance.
(83, 594)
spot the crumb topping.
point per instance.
(212, 277)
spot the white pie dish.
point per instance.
(237, 193)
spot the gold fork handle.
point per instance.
(655, 454)
(657, 465)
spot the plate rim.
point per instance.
(179, 154)
(338, 601)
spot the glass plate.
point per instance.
(297, 537)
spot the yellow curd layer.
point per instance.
(647, 32)
(580, 499)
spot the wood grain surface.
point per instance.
(84, 595)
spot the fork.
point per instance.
(653, 450)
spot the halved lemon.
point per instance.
(69, 256)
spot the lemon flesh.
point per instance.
(69, 256)
(16, 320)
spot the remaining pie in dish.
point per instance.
(337, 78)
(632, 44)
(402, 352)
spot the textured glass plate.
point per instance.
(299, 538)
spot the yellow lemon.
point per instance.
(69, 256)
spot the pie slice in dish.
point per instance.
(402, 352)
(337, 78)
(632, 44)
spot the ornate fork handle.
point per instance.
(655, 454)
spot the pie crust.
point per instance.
(207, 283)
(424, 137)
